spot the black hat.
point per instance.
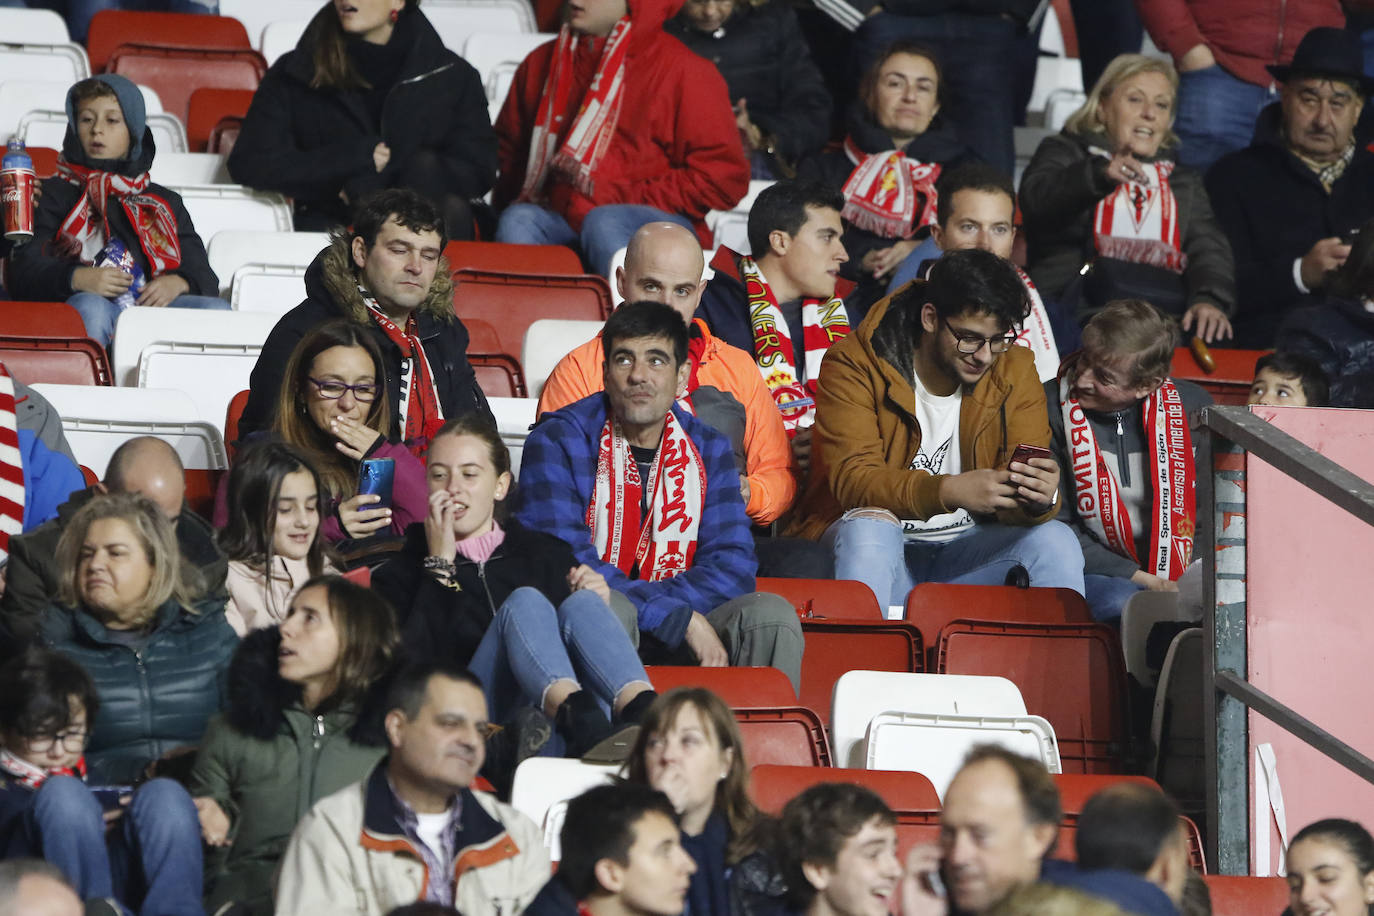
(1330, 52)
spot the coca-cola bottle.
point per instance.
(16, 191)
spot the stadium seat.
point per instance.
(189, 168)
(835, 647)
(112, 28)
(497, 54)
(44, 161)
(177, 72)
(208, 106)
(215, 208)
(279, 37)
(505, 257)
(514, 416)
(58, 62)
(1229, 382)
(482, 337)
(548, 340)
(457, 20)
(932, 605)
(231, 422)
(1141, 612)
(229, 250)
(97, 420)
(200, 491)
(1076, 788)
(740, 688)
(1071, 674)
(512, 302)
(18, 97)
(1177, 729)
(544, 785)
(47, 342)
(1241, 895)
(256, 14)
(43, 127)
(223, 136)
(794, 736)
(498, 375)
(936, 745)
(274, 289)
(826, 598)
(32, 26)
(730, 228)
(40, 319)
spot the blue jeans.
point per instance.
(606, 230)
(1216, 115)
(151, 862)
(873, 551)
(978, 59)
(100, 314)
(1107, 596)
(530, 645)
(81, 12)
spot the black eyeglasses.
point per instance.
(332, 390)
(71, 741)
(969, 344)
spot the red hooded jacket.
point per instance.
(676, 145)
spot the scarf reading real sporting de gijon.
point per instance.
(151, 216)
(889, 193)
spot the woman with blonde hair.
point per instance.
(128, 615)
(1110, 215)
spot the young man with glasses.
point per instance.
(919, 414)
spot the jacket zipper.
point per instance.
(482, 574)
(147, 700)
(404, 82)
(1122, 466)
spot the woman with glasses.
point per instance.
(110, 842)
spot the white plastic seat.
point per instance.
(514, 417)
(62, 62)
(231, 249)
(496, 55)
(1060, 104)
(215, 208)
(280, 36)
(548, 340)
(543, 787)
(859, 696)
(49, 128)
(455, 20)
(730, 228)
(98, 419)
(272, 289)
(935, 745)
(1142, 611)
(173, 169)
(33, 27)
(256, 15)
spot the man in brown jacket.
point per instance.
(919, 414)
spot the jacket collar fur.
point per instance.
(332, 279)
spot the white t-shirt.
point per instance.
(430, 827)
(939, 454)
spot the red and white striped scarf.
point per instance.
(889, 193)
(150, 215)
(421, 414)
(662, 545)
(30, 775)
(823, 324)
(11, 466)
(1138, 222)
(594, 126)
(1169, 457)
(1036, 334)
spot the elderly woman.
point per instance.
(128, 614)
(781, 103)
(1106, 192)
(895, 151)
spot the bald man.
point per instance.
(32, 887)
(664, 264)
(144, 465)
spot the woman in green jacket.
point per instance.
(303, 722)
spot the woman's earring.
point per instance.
(395, 14)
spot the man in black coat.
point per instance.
(388, 274)
(1289, 201)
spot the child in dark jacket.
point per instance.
(105, 237)
(112, 843)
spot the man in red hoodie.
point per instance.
(613, 125)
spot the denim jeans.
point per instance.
(100, 314)
(873, 551)
(81, 12)
(530, 645)
(1216, 115)
(151, 862)
(1105, 29)
(606, 230)
(978, 58)
(1107, 596)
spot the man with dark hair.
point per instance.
(920, 416)
(839, 852)
(1121, 424)
(781, 303)
(622, 856)
(414, 829)
(648, 496)
(1290, 201)
(388, 274)
(998, 825)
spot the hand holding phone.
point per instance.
(1024, 453)
(376, 477)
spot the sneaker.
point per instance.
(522, 737)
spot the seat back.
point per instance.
(48, 128)
(504, 257)
(57, 62)
(457, 20)
(1076, 788)
(1229, 382)
(256, 14)
(274, 289)
(215, 208)
(32, 27)
(931, 605)
(97, 420)
(826, 598)
(223, 135)
(231, 249)
(189, 168)
(61, 361)
(200, 491)
(543, 786)
(513, 419)
(547, 341)
(730, 228)
(834, 647)
(773, 786)
(785, 735)
(1141, 612)
(177, 72)
(936, 745)
(137, 329)
(231, 421)
(207, 106)
(1072, 674)
(44, 161)
(50, 320)
(279, 37)
(498, 375)
(741, 688)
(496, 55)
(512, 302)
(1177, 729)
(111, 28)
(1241, 895)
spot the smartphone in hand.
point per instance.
(376, 477)
(1025, 453)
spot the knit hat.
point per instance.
(1330, 53)
(130, 99)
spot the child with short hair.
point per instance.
(1285, 379)
(112, 843)
(105, 237)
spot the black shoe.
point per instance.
(520, 738)
(582, 723)
(1017, 577)
(632, 713)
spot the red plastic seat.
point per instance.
(174, 73)
(505, 257)
(932, 605)
(793, 736)
(92, 478)
(200, 491)
(54, 320)
(740, 688)
(498, 374)
(827, 598)
(1229, 382)
(208, 107)
(1072, 674)
(1068, 831)
(44, 161)
(112, 28)
(1076, 788)
(1239, 895)
(511, 302)
(834, 647)
(224, 135)
(361, 575)
(70, 361)
(482, 336)
(231, 421)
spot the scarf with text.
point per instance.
(11, 466)
(1036, 333)
(823, 324)
(889, 193)
(150, 215)
(594, 125)
(30, 776)
(1169, 457)
(420, 413)
(1138, 221)
(662, 545)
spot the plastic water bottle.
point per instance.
(16, 191)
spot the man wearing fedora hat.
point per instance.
(1290, 201)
